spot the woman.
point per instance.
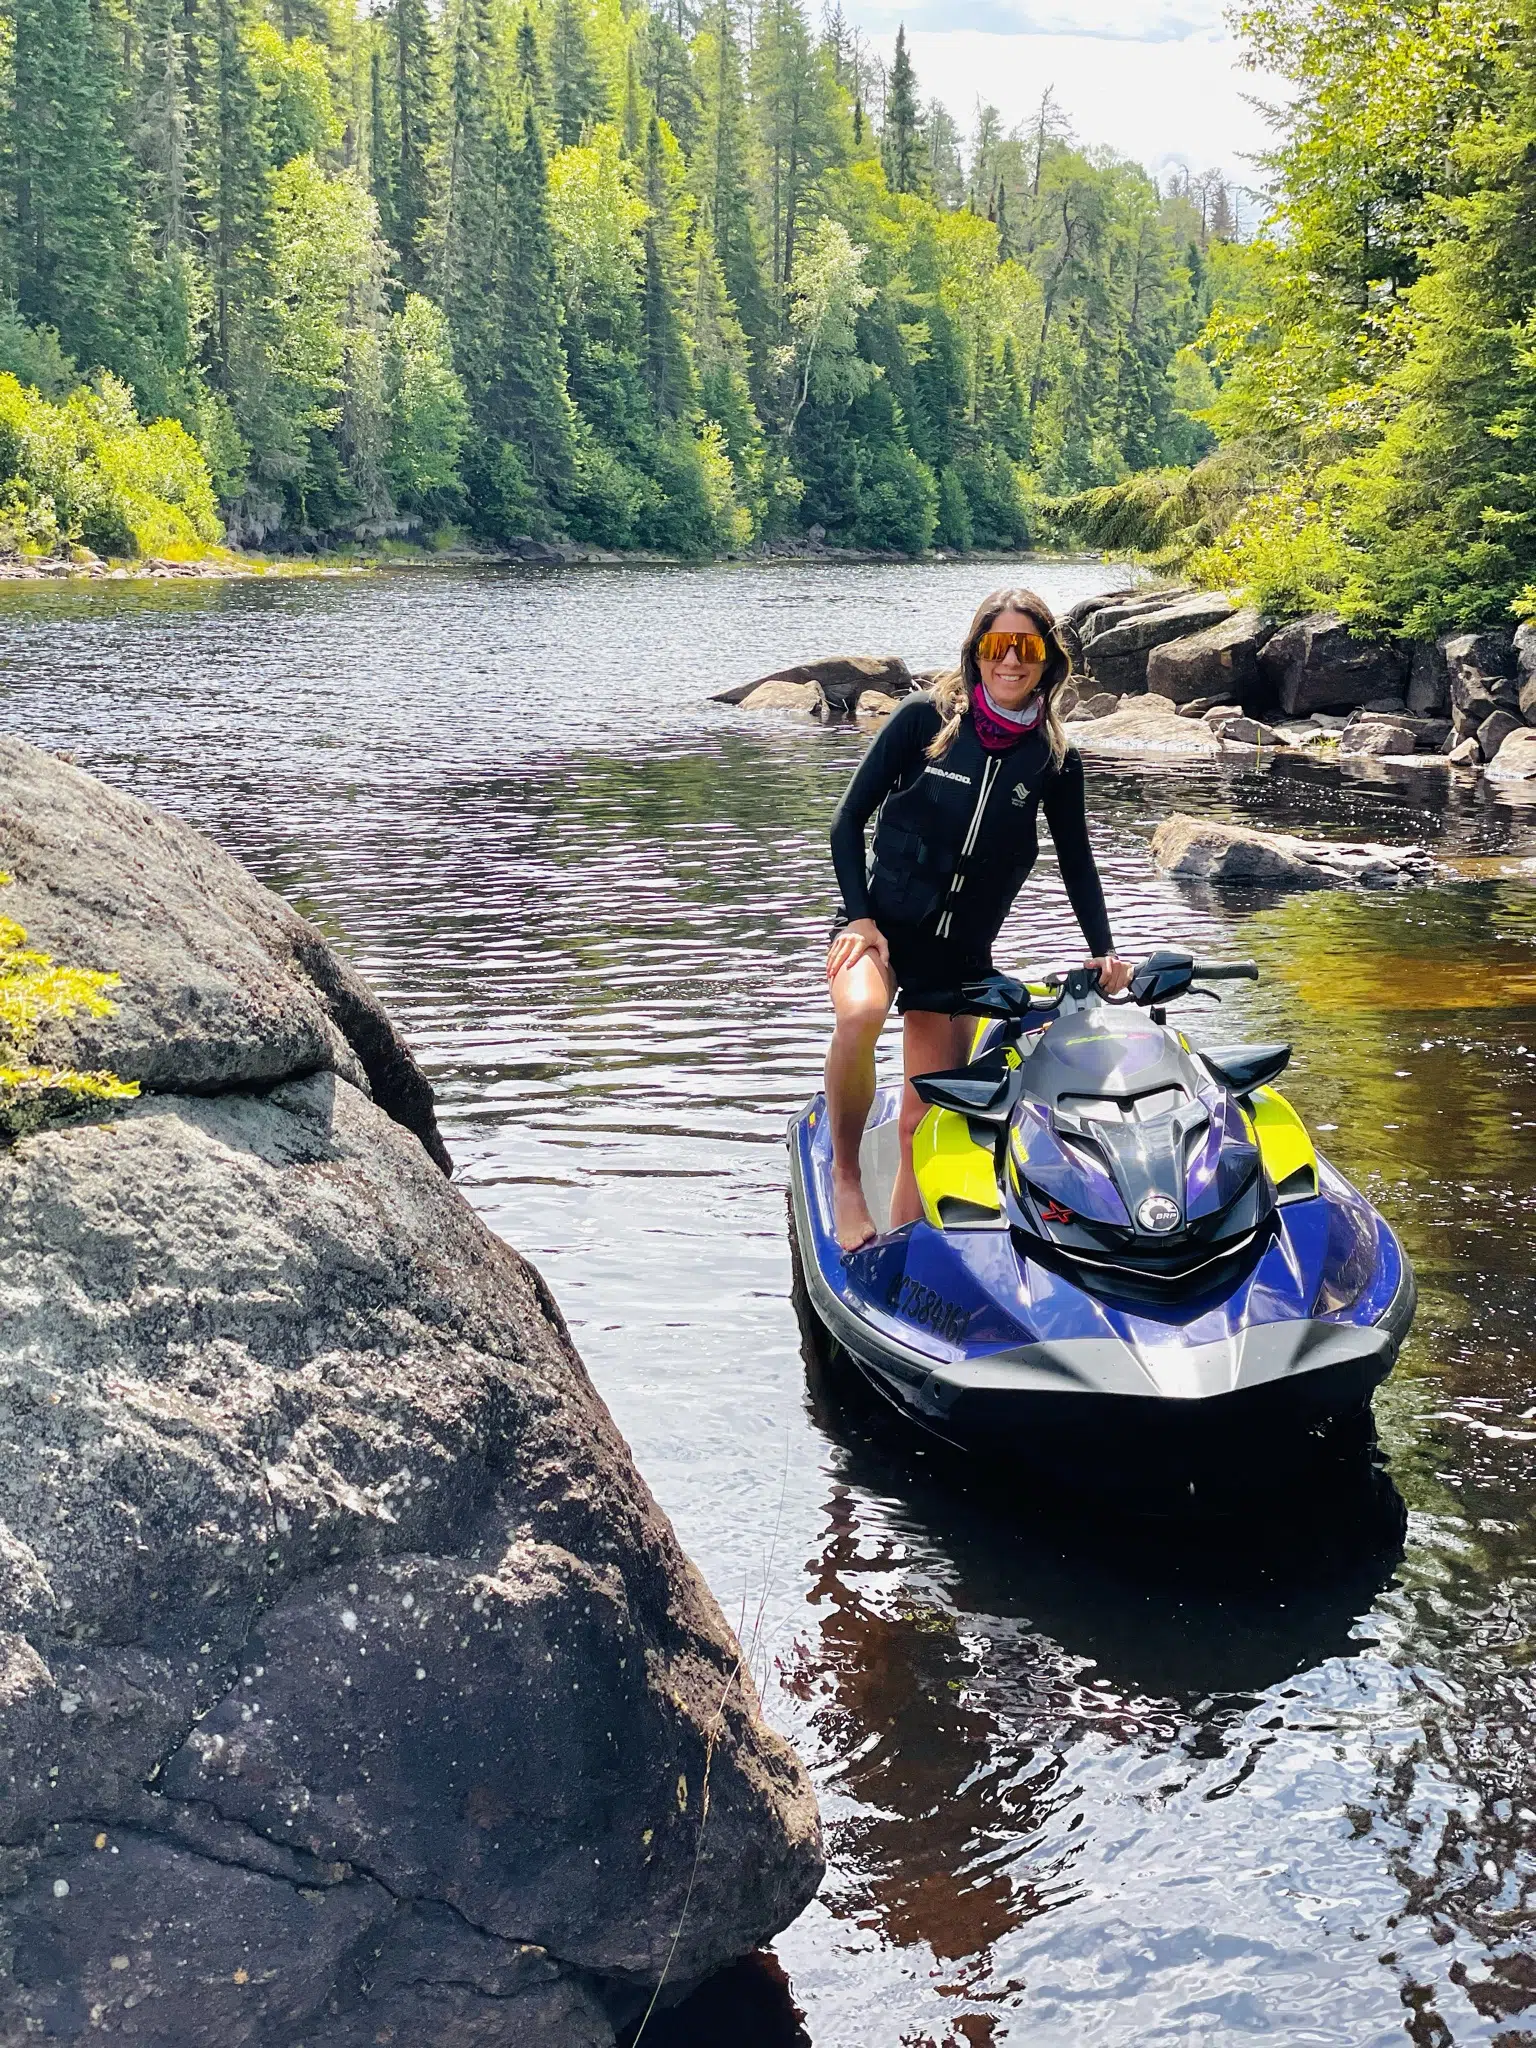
(957, 777)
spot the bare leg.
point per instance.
(861, 1000)
(930, 1043)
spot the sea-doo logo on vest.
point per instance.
(949, 775)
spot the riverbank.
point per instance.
(228, 564)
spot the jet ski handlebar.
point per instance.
(1161, 978)
(1225, 970)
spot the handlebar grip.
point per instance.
(1225, 970)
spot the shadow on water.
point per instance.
(749, 2005)
(1192, 1603)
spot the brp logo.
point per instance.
(1159, 1213)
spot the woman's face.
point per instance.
(1011, 681)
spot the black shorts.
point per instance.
(925, 967)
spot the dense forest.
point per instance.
(678, 278)
(1376, 366)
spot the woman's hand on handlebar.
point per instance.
(1114, 973)
(862, 936)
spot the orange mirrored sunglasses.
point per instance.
(1027, 646)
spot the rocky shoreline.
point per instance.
(1465, 699)
(1195, 673)
(354, 1686)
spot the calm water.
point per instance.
(1083, 1783)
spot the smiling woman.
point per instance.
(958, 777)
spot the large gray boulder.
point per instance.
(830, 689)
(1317, 664)
(1378, 736)
(1108, 608)
(222, 984)
(1516, 758)
(1221, 661)
(1496, 731)
(1115, 654)
(1480, 669)
(1205, 850)
(1429, 682)
(1130, 597)
(352, 1685)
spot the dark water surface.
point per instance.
(1084, 1783)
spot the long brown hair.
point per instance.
(952, 690)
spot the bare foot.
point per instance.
(854, 1225)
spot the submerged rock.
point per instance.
(1145, 725)
(831, 689)
(1377, 736)
(353, 1684)
(1201, 849)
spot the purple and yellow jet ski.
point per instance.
(1130, 1248)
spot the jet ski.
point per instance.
(1131, 1252)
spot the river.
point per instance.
(1083, 1784)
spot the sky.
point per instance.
(1157, 80)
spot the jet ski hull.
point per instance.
(1004, 1357)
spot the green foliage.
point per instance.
(88, 472)
(300, 117)
(898, 501)
(428, 415)
(33, 988)
(955, 528)
(643, 276)
(33, 355)
(1374, 383)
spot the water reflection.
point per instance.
(1082, 1788)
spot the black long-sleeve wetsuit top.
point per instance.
(956, 838)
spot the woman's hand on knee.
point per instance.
(862, 936)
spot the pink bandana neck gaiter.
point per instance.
(998, 729)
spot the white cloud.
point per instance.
(1136, 21)
(1158, 80)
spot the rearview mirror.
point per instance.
(986, 1097)
(1162, 976)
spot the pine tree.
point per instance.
(528, 406)
(160, 120)
(669, 78)
(795, 104)
(381, 144)
(668, 373)
(231, 199)
(467, 234)
(632, 124)
(69, 176)
(901, 143)
(530, 68)
(719, 172)
(409, 126)
(577, 90)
